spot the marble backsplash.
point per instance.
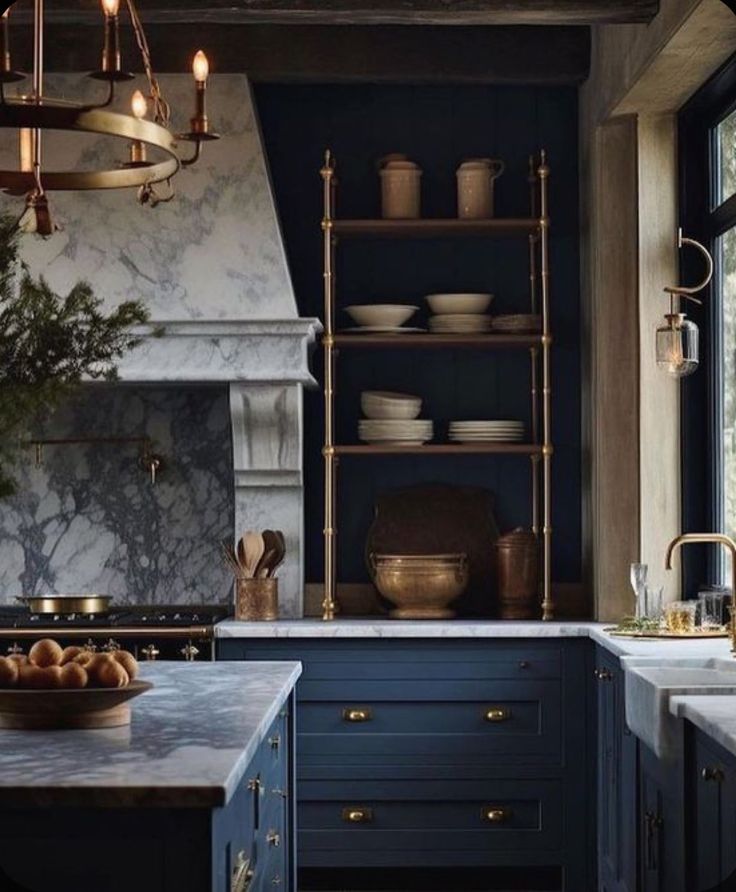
(88, 519)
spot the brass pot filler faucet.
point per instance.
(710, 539)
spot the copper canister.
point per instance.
(257, 599)
(518, 575)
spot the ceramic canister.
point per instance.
(475, 179)
(400, 188)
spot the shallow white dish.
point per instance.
(382, 315)
(461, 302)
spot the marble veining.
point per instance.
(89, 519)
(190, 741)
(214, 252)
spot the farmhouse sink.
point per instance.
(651, 682)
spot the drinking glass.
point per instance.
(653, 598)
(712, 600)
(638, 582)
(679, 617)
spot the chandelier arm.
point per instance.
(187, 162)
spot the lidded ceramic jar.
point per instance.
(400, 188)
(517, 556)
(475, 186)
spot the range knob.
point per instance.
(150, 652)
(15, 649)
(90, 646)
(111, 646)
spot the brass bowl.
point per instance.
(421, 586)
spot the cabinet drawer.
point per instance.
(427, 816)
(500, 718)
(383, 660)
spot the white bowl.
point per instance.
(458, 303)
(384, 315)
(382, 404)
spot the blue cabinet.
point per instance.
(441, 753)
(244, 846)
(711, 827)
(617, 780)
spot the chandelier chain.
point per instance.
(161, 108)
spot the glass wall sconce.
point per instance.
(677, 339)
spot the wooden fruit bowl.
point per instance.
(28, 709)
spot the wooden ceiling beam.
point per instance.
(337, 54)
(370, 12)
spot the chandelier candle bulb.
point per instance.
(139, 107)
(201, 71)
(111, 60)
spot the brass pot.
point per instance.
(65, 604)
(421, 586)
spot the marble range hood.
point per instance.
(212, 268)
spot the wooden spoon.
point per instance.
(280, 552)
(272, 544)
(254, 547)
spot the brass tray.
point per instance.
(664, 635)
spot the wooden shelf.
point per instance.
(437, 228)
(438, 341)
(443, 449)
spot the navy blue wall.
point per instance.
(437, 127)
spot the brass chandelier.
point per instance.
(33, 114)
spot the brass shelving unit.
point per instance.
(535, 229)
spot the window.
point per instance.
(707, 139)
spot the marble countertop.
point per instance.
(715, 716)
(478, 629)
(189, 744)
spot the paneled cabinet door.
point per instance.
(661, 834)
(706, 825)
(617, 782)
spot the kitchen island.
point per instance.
(194, 795)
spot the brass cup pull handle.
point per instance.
(712, 774)
(498, 714)
(351, 714)
(357, 815)
(494, 814)
(242, 874)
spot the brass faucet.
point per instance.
(706, 539)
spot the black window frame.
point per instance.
(702, 456)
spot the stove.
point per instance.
(171, 632)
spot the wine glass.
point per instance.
(638, 583)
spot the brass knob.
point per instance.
(254, 784)
(357, 815)
(495, 814)
(189, 652)
(242, 874)
(712, 774)
(351, 714)
(150, 652)
(273, 838)
(498, 714)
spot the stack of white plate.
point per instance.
(462, 313)
(486, 431)
(398, 433)
(518, 322)
(460, 323)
